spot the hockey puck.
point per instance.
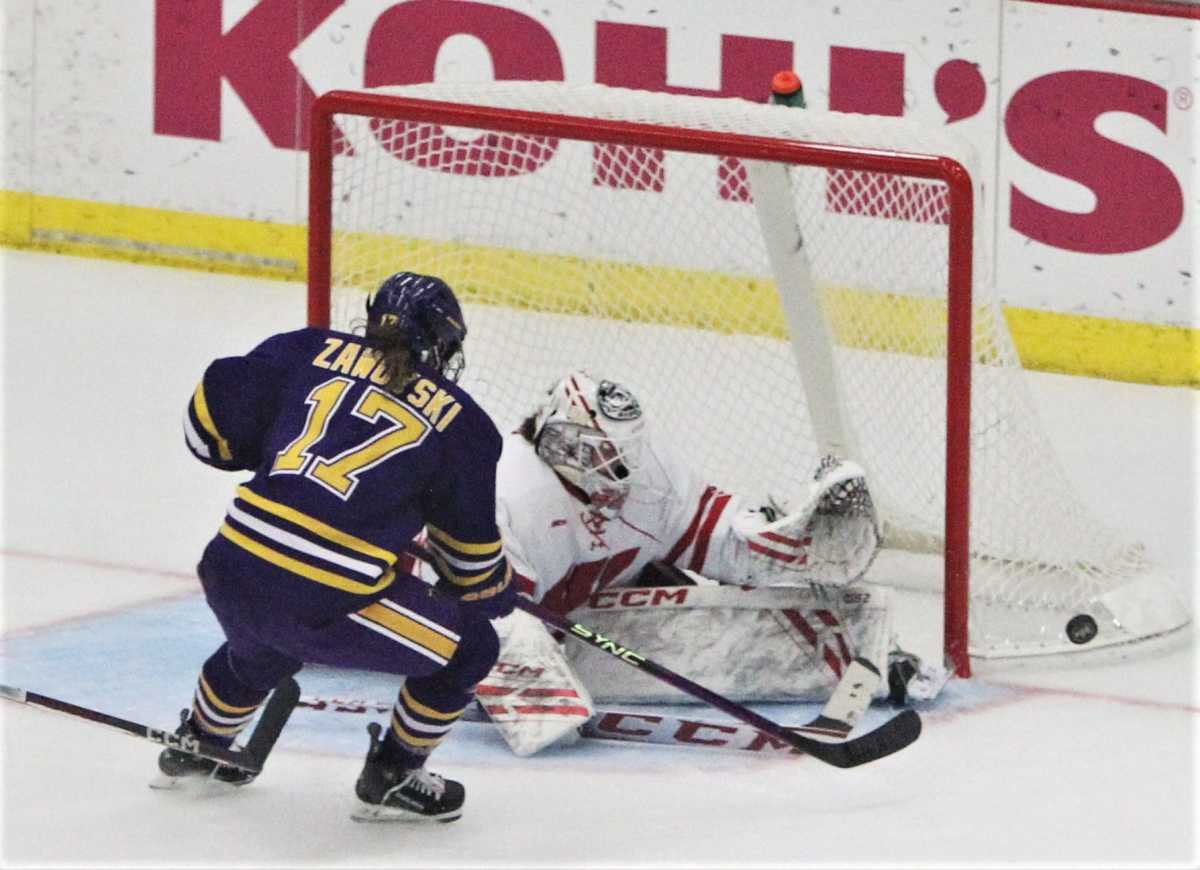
(1081, 629)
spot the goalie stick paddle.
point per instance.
(895, 734)
(251, 758)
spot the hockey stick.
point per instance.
(251, 758)
(895, 734)
(658, 729)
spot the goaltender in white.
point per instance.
(757, 603)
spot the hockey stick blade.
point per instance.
(893, 735)
(231, 757)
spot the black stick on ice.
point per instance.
(274, 716)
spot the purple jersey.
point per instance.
(346, 472)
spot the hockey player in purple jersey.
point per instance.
(356, 443)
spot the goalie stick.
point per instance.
(250, 758)
(619, 726)
(895, 734)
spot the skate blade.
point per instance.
(198, 786)
(365, 812)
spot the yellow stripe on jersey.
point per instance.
(221, 705)
(200, 403)
(315, 526)
(488, 549)
(428, 712)
(310, 572)
(410, 629)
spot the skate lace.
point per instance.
(425, 782)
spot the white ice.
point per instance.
(105, 514)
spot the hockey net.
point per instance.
(653, 239)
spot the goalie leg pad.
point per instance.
(533, 695)
(758, 644)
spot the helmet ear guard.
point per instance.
(423, 310)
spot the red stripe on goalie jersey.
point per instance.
(579, 583)
(578, 398)
(698, 534)
(783, 539)
(685, 540)
(798, 558)
(700, 550)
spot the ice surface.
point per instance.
(105, 513)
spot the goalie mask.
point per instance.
(590, 432)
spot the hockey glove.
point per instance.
(493, 598)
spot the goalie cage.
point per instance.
(775, 284)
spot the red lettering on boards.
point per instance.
(1050, 122)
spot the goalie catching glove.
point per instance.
(830, 538)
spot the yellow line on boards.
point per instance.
(1046, 341)
(153, 236)
(1102, 347)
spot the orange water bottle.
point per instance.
(787, 89)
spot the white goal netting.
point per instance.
(650, 267)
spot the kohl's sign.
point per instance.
(1049, 121)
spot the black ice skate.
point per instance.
(389, 793)
(184, 770)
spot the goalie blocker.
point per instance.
(765, 644)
